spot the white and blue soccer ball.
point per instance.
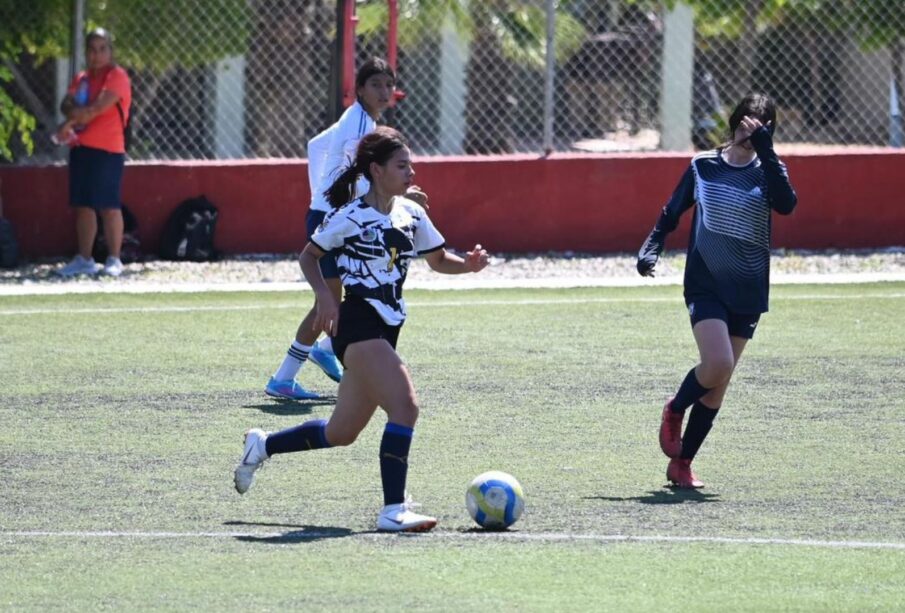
(495, 500)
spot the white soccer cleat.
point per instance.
(401, 518)
(113, 267)
(80, 266)
(252, 459)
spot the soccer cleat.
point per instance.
(113, 266)
(679, 474)
(288, 389)
(80, 266)
(252, 459)
(671, 431)
(401, 518)
(327, 362)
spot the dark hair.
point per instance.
(99, 33)
(377, 147)
(753, 105)
(373, 66)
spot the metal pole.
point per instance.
(335, 99)
(549, 75)
(349, 21)
(78, 37)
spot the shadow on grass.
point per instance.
(668, 495)
(292, 407)
(303, 533)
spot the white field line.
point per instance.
(503, 536)
(432, 282)
(421, 305)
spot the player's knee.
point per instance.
(404, 413)
(716, 371)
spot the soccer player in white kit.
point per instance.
(377, 236)
(328, 152)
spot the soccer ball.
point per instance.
(495, 500)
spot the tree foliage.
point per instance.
(150, 36)
(875, 23)
(519, 27)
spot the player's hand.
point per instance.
(762, 137)
(326, 319)
(746, 128)
(649, 255)
(476, 259)
(420, 198)
(646, 264)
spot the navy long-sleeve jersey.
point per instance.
(729, 246)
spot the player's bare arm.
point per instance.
(449, 263)
(327, 316)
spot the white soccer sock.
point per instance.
(293, 361)
(326, 344)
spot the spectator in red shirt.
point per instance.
(97, 109)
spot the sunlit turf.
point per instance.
(124, 414)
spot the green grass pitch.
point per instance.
(122, 417)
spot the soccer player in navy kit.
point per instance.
(727, 272)
(377, 236)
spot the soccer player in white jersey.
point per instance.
(376, 237)
(727, 272)
(328, 152)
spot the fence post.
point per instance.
(549, 75)
(678, 69)
(896, 137)
(78, 37)
(335, 98)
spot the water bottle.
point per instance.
(81, 93)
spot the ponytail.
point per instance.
(377, 147)
(342, 191)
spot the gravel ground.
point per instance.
(283, 268)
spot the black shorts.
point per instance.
(358, 321)
(327, 263)
(741, 325)
(95, 178)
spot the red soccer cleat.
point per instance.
(679, 474)
(671, 431)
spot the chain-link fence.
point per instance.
(219, 79)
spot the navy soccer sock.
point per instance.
(394, 461)
(689, 391)
(699, 423)
(310, 435)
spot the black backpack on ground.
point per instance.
(189, 232)
(130, 250)
(9, 246)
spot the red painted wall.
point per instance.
(519, 203)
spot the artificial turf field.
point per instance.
(123, 414)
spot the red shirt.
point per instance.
(106, 130)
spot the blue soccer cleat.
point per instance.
(288, 389)
(327, 362)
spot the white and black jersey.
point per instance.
(374, 250)
(729, 246)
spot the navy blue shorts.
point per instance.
(741, 325)
(359, 321)
(95, 178)
(328, 263)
